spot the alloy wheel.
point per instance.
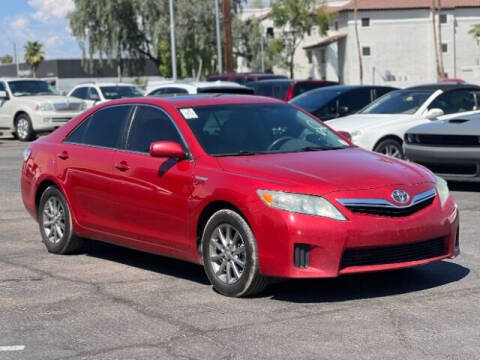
(22, 128)
(392, 151)
(227, 254)
(54, 220)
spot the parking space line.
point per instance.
(12, 348)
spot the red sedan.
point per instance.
(250, 187)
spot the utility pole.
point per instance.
(262, 49)
(16, 58)
(173, 49)
(440, 51)
(227, 34)
(219, 39)
(360, 62)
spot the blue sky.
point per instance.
(40, 20)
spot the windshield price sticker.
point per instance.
(189, 113)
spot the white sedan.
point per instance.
(381, 126)
(183, 88)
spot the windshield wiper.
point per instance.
(240, 153)
(313, 148)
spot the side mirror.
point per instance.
(3, 95)
(343, 110)
(167, 149)
(434, 113)
(346, 135)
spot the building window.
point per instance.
(444, 48)
(443, 18)
(366, 50)
(365, 22)
(270, 32)
(336, 25)
(309, 56)
(323, 56)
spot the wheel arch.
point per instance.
(388, 137)
(18, 113)
(42, 186)
(207, 211)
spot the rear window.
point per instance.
(272, 89)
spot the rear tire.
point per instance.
(390, 147)
(55, 223)
(23, 128)
(230, 255)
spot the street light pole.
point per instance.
(172, 42)
(219, 40)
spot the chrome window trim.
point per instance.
(419, 198)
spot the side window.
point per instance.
(104, 128)
(93, 94)
(2, 86)
(173, 90)
(455, 101)
(328, 111)
(380, 91)
(80, 93)
(148, 126)
(354, 100)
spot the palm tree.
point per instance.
(34, 55)
(475, 32)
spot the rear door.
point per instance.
(152, 193)
(85, 161)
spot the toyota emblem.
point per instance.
(400, 196)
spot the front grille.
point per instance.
(453, 169)
(393, 254)
(443, 140)
(390, 211)
(71, 106)
(301, 257)
(60, 120)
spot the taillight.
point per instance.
(290, 93)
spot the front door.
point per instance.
(153, 193)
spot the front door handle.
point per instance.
(63, 155)
(122, 166)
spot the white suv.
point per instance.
(94, 94)
(30, 106)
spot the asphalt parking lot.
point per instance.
(114, 303)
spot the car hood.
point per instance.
(321, 172)
(460, 126)
(364, 121)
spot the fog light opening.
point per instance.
(301, 256)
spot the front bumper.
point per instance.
(279, 233)
(46, 121)
(451, 163)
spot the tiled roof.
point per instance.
(325, 41)
(403, 4)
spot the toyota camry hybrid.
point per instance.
(251, 187)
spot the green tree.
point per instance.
(6, 59)
(248, 45)
(34, 55)
(140, 29)
(258, 4)
(475, 32)
(297, 18)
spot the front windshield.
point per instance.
(31, 88)
(119, 92)
(314, 100)
(248, 129)
(398, 102)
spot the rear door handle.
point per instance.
(122, 166)
(63, 155)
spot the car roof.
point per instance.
(343, 88)
(103, 84)
(199, 84)
(444, 86)
(209, 99)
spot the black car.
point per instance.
(336, 101)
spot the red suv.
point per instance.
(286, 89)
(250, 187)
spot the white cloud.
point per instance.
(46, 10)
(19, 23)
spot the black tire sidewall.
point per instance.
(31, 134)
(251, 267)
(60, 247)
(386, 142)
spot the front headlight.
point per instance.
(442, 189)
(45, 107)
(299, 203)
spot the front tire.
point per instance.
(24, 128)
(55, 223)
(230, 255)
(390, 147)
